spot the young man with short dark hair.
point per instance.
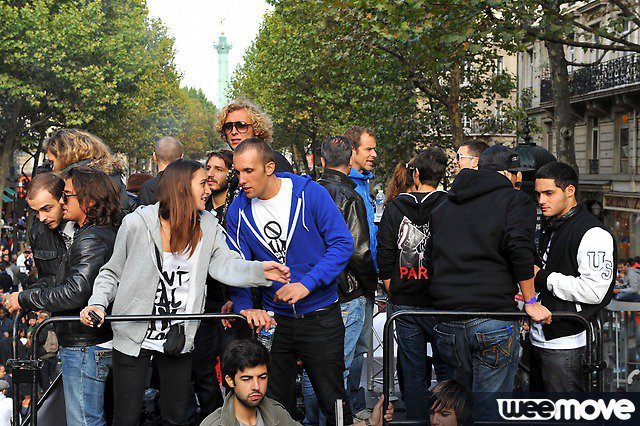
(246, 370)
(293, 220)
(574, 273)
(403, 234)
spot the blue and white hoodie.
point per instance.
(319, 247)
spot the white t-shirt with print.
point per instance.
(172, 296)
(272, 218)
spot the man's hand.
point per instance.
(258, 318)
(536, 269)
(291, 293)
(11, 302)
(377, 414)
(275, 271)
(616, 290)
(227, 308)
(538, 313)
(86, 319)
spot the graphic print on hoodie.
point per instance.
(272, 219)
(403, 234)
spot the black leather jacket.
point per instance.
(91, 249)
(48, 252)
(360, 273)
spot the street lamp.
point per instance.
(532, 156)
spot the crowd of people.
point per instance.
(301, 260)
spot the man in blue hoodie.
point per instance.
(363, 144)
(293, 220)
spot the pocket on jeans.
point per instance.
(447, 348)
(103, 363)
(495, 347)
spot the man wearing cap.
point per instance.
(481, 248)
(6, 404)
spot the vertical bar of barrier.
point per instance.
(15, 383)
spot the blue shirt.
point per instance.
(362, 187)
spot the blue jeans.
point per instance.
(84, 372)
(627, 297)
(414, 332)
(354, 390)
(353, 319)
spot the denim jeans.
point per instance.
(353, 319)
(354, 390)
(627, 297)
(84, 373)
(414, 332)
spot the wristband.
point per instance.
(531, 301)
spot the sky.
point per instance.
(196, 25)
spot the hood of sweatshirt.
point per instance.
(151, 219)
(364, 177)
(418, 206)
(470, 184)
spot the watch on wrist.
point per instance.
(531, 301)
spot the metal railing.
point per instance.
(590, 366)
(617, 72)
(26, 371)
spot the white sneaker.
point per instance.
(363, 414)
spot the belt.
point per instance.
(318, 312)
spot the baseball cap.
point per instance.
(4, 385)
(500, 157)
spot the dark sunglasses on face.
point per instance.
(240, 126)
(65, 196)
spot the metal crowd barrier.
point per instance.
(593, 366)
(26, 371)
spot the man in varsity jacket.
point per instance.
(575, 272)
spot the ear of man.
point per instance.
(270, 168)
(229, 381)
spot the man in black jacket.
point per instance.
(46, 236)
(90, 200)
(575, 272)
(482, 246)
(403, 233)
(360, 273)
(166, 150)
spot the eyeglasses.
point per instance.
(459, 156)
(240, 126)
(66, 195)
(410, 167)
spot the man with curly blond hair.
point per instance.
(242, 119)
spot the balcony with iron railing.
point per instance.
(619, 72)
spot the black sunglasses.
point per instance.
(66, 196)
(240, 126)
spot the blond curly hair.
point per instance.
(262, 124)
(72, 145)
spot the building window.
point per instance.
(623, 142)
(551, 139)
(595, 138)
(499, 65)
(530, 63)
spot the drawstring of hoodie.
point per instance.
(303, 222)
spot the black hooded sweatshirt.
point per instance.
(403, 233)
(481, 243)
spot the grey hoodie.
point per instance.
(130, 278)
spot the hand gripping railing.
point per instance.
(29, 368)
(590, 367)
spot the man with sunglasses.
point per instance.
(166, 150)
(242, 119)
(468, 154)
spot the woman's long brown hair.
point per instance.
(178, 207)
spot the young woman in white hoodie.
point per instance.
(162, 255)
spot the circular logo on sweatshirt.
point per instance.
(272, 230)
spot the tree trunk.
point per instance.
(563, 121)
(455, 116)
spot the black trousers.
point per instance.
(129, 379)
(318, 341)
(557, 370)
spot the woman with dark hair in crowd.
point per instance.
(450, 404)
(401, 181)
(162, 256)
